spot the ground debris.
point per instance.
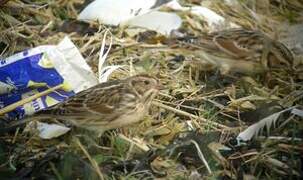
(207, 109)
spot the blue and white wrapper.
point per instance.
(35, 70)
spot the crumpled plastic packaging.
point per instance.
(45, 130)
(35, 70)
(115, 12)
(135, 14)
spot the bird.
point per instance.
(108, 105)
(240, 50)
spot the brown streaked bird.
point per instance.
(106, 106)
(240, 47)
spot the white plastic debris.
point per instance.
(115, 12)
(231, 2)
(35, 70)
(49, 131)
(175, 6)
(105, 71)
(214, 20)
(162, 22)
(73, 67)
(132, 13)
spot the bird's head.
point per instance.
(280, 56)
(145, 86)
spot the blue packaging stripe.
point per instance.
(19, 74)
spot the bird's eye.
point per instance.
(146, 82)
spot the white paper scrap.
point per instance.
(114, 12)
(162, 22)
(49, 131)
(72, 66)
(214, 20)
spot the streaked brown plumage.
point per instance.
(108, 105)
(240, 46)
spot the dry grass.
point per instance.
(198, 113)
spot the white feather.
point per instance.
(267, 122)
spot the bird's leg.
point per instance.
(90, 137)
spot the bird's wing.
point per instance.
(232, 43)
(239, 43)
(101, 100)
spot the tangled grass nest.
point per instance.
(192, 122)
